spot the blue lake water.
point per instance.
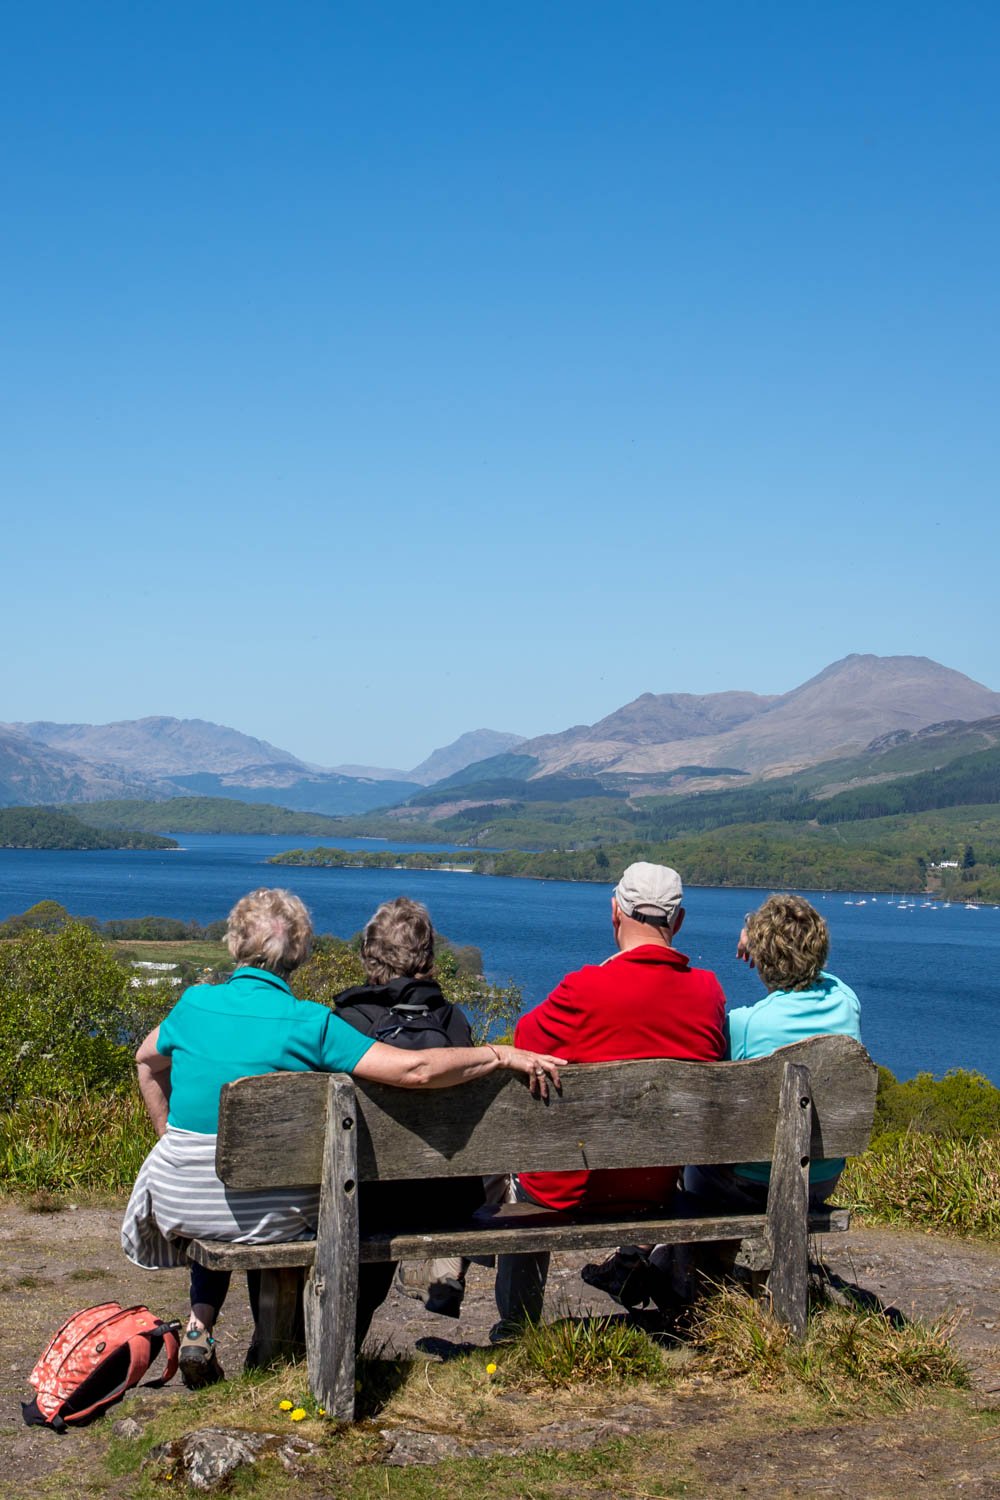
(926, 975)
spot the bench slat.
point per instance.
(521, 1236)
(631, 1114)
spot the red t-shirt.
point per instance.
(645, 1002)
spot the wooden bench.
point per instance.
(813, 1099)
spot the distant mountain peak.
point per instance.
(474, 745)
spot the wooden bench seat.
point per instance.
(814, 1099)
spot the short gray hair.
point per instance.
(270, 929)
(398, 940)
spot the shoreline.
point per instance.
(934, 899)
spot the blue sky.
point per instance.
(379, 371)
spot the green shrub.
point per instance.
(962, 1105)
(69, 1018)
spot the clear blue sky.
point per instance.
(376, 371)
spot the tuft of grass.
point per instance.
(928, 1182)
(741, 1338)
(91, 1143)
(849, 1353)
(576, 1351)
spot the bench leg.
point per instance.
(788, 1200)
(279, 1331)
(331, 1293)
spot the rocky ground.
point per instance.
(51, 1264)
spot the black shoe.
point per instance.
(626, 1276)
(199, 1363)
(445, 1297)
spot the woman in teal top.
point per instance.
(254, 1024)
(787, 941)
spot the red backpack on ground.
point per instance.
(97, 1356)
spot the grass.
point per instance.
(850, 1355)
(196, 951)
(854, 1365)
(583, 1351)
(93, 1143)
(927, 1182)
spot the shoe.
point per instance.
(504, 1332)
(625, 1276)
(199, 1363)
(445, 1297)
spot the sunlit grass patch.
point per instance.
(577, 1351)
(849, 1353)
(929, 1182)
(94, 1142)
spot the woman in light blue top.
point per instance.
(254, 1024)
(787, 941)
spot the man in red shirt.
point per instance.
(643, 1001)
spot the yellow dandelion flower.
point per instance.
(298, 1414)
(322, 1411)
(284, 1406)
(491, 1369)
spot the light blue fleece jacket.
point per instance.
(786, 1016)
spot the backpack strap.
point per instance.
(172, 1345)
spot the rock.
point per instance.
(209, 1457)
(408, 1446)
(127, 1427)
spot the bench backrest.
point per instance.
(625, 1114)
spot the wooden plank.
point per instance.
(788, 1201)
(631, 1114)
(217, 1255)
(595, 1236)
(279, 1333)
(553, 1233)
(331, 1293)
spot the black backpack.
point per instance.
(408, 1013)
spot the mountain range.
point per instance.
(160, 757)
(658, 742)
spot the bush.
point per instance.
(69, 1019)
(960, 1106)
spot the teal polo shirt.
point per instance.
(251, 1024)
(830, 1008)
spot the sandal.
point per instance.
(199, 1363)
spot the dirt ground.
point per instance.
(51, 1264)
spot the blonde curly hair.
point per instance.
(789, 941)
(270, 929)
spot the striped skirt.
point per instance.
(177, 1197)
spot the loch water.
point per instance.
(926, 974)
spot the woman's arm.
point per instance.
(154, 1080)
(442, 1067)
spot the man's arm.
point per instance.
(154, 1080)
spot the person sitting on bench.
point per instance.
(644, 1001)
(787, 942)
(250, 1025)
